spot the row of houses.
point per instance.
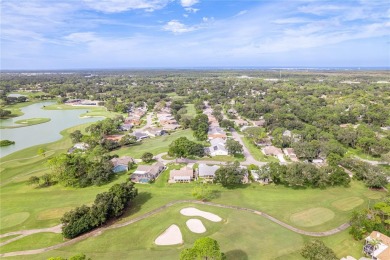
(134, 117)
(167, 121)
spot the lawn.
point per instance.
(256, 152)
(154, 145)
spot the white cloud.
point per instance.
(191, 10)
(117, 6)
(188, 3)
(241, 12)
(82, 37)
(177, 27)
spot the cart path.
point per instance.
(99, 231)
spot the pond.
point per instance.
(48, 132)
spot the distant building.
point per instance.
(140, 135)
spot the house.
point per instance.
(217, 147)
(121, 164)
(291, 154)
(184, 175)
(260, 122)
(78, 146)
(115, 138)
(207, 172)
(274, 151)
(318, 161)
(256, 177)
(216, 132)
(212, 120)
(170, 127)
(140, 135)
(240, 122)
(153, 132)
(126, 127)
(147, 173)
(287, 133)
(377, 246)
(133, 121)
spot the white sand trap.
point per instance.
(196, 226)
(171, 236)
(193, 212)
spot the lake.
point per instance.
(48, 132)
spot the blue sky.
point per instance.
(71, 34)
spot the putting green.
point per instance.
(53, 213)
(347, 203)
(312, 217)
(13, 219)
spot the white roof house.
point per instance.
(218, 147)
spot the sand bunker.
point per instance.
(193, 212)
(171, 236)
(196, 226)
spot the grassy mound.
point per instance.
(312, 217)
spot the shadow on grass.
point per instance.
(137, 203)
(236, 254)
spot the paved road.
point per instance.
(248, 156)
(99, 231)
(149, 122)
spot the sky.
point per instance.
(109, 34)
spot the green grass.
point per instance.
(361, 154)
(312, 217)
(256, 152)
(93, 111)
(190, 110)
(27, 122)
(14, 219)
(154, 145)
(347, 203)
(34, 241)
